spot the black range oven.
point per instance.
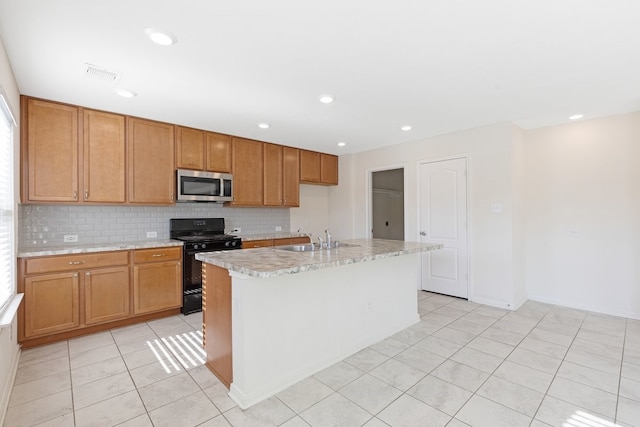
(198, 235)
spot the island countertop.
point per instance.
(272, 262)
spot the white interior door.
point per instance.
(443, 219)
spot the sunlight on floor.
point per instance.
(186, 348)
(583, 419)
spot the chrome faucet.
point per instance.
(319, 242)
(328, 238)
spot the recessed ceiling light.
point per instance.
(405, 128)
(126, 93)
(576, 117)
(341, 144)
(161, 37)
(264, 125)
(326, 99)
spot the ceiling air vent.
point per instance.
(100, 73)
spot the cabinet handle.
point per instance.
(171, 197)
(157, 255)
(86, 195)
(76, 262)
(75, 194)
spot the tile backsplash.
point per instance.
(46, 225)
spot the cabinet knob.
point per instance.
(88, 274)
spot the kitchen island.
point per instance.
(272, 317)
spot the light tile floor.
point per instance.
(462, 364)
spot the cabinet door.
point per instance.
(272, 175)
(189, 148)
(247, 172)
(329, 169)
(51, 303)
(309, 166)
(218, 152)
(104, 157)
(151, 166)
(290, 176)
(106, 295)
(157, 286)
(51, 151)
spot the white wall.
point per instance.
(585, 177)
(9, 350)
(313, 214)
(490, 151)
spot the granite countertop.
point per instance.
(268, 236)
(96, 247)
(272, 262)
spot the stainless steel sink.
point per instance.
(311, 247)
(296, 248)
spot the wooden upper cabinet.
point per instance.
(247, 161)
(309, 166)
(318, 168)
(273, 175)
(291, 176)
(50, 150)
(218, 152)
(328, 169)
(104, 157)
(151, 165)
(190, 148)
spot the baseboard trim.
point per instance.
(572, 304)
(8, 386)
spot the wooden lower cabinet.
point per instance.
(106, 295)
(157, 285)
(263, 243)
(51, 303)
(71, 295)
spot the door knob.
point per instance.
(423, 233)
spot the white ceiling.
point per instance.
(438, 65)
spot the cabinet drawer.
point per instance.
(291, 241)
(256, 243)
(52, 264)
(157, 255)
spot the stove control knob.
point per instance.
(203, 246)
(227, 244)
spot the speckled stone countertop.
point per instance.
(273, 262)
(267, 236)
(97, 247)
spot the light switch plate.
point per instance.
(70, 238)
(278, 228)
(152, 234)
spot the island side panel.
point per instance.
(216, 314)
(289, 327)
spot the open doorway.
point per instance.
(387, 206)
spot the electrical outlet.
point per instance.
(278, 228)
(152, 234)
(369, 306)
(70, 238)
(237, 230)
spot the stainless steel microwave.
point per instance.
(200, 186)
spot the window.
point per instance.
(7, 227)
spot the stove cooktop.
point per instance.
(207, 238)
